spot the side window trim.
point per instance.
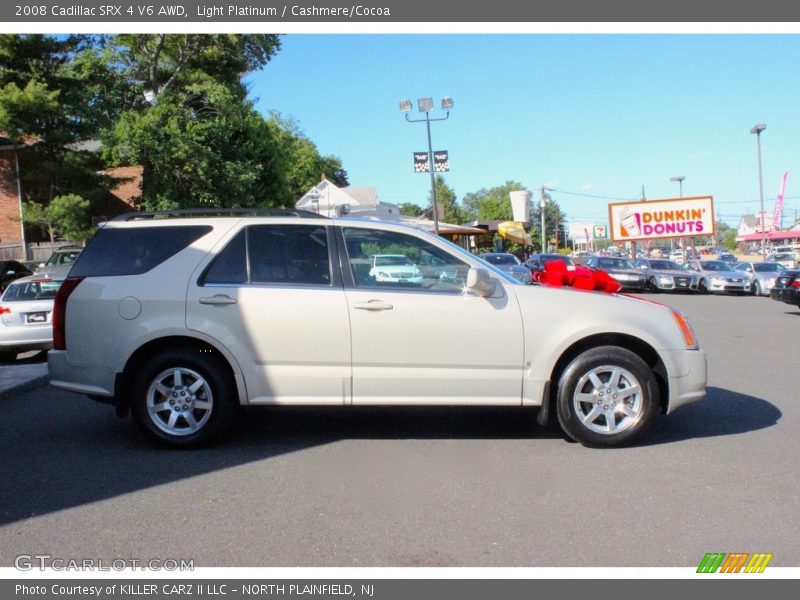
(333, 263)
(349, 278)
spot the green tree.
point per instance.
(410, 209)
(70, 218)
(446, 199)
(492, 203)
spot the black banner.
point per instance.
(395, 11)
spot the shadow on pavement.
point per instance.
(61, 450)
(722, 412)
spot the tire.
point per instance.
(601, 421)
(183, 398)
(652, 286)
(756, 288)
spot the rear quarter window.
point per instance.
(117, 251)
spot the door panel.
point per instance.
(270, 298)
(428, 342)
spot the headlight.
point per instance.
(665, 279)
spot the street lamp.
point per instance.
(425, 106)
(757, 129)
(543, 206)
(679, 179)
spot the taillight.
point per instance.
(60, 312)
(5, 310)
(795, 283)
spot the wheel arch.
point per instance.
(125, 379)
(636, 345)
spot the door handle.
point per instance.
(373, 305)
(218, 300)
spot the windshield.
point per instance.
(768, 267)
(714, 265)
(392, 260)
(614, 263)
(664, 265)
(501, 259)
(63, 258)
(31, 290)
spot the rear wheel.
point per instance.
(607, 397)
(183, 398)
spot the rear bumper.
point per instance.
(92, 381)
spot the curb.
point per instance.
(24, 386)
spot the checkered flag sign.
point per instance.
(441, 162)
(421, 164)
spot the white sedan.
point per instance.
(26, 312)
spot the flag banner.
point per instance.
(777, 214)
(421, 164)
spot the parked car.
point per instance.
(761, 275)
(26, 309)
(787, 287)
(505, 261)
(60, 262)
(11, 270)
(728, 258)
(718, 276)
(536, 262)
(666, 276)
(786, 259)
(202, 313)
(628, 276)
(394, 268)
(677, 256)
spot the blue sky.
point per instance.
(587, 114)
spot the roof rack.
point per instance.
(219, 212)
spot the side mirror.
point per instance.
(480, 283)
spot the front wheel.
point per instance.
(607, 397)
(183, 398)
(702, 287)
(652, 286)
(756, 288)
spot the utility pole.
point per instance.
(542, 206)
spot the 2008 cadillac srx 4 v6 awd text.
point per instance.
(180, 317)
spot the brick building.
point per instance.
(118, 199)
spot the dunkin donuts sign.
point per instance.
(661, 219)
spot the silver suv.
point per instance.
(181, 318)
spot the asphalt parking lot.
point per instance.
(427, 487)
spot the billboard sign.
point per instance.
(661, 219)
(600, 232)
(581, 232)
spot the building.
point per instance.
(328, 199)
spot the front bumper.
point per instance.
(687, 377)
(788, 295)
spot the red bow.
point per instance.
(558, 274)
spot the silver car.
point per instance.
(507, 262)
(761, 275)
(718, 276)
(26, 316)
(665, 275)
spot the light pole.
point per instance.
(757, 129)
(679, 179)
(425, 106)
(543, 206)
